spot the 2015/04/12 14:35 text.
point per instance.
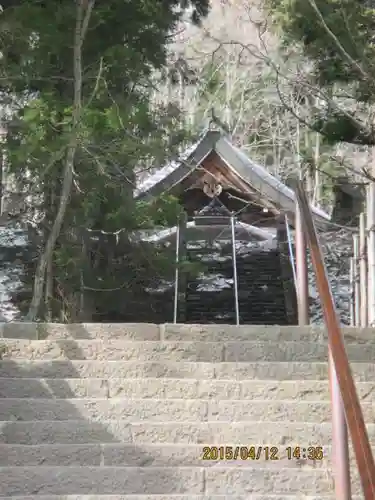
(262, 453)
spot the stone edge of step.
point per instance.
(173, 332)
(174, 497)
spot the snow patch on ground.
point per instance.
(213, 282)
(337, 249)
(11, 240)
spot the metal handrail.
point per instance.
(340, 372)
(291, 254)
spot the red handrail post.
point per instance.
(340, 448)
(343, 382)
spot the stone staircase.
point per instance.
(124, 411)
(261, 294)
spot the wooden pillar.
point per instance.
(180, 275)
(301, 271)
(357, 288)
(363, 269)
(352, 287)
(3, 135)
(371, 249)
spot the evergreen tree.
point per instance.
(76, 76)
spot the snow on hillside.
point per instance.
(336, 246)
(13, 243)
(337, 249)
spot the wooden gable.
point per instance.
(214, 178)
(215, 167)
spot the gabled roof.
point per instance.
(254, 175)
(173, 172)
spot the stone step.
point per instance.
(273, 333)
(62, 369)
(182, 410)
(111, 431)
(125, 411)
(176, 497)
(165, 481)
(132, 410)
(41, 331)
(180, 332)
(123, 369)
(161, 388)
(155, 455)
(180, 351)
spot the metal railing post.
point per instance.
(291, 254)
(176, 277)
(235, 279)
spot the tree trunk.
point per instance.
(82, 20)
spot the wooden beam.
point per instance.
(371, 248)
(182, 283)
(216, 164)
(352, 291)
(363, 269)
(357, 288)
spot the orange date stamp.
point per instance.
(273, 453)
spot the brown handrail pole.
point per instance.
(339, 436)
(353, 411)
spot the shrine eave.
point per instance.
(250, 176)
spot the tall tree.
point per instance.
(77, 77)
